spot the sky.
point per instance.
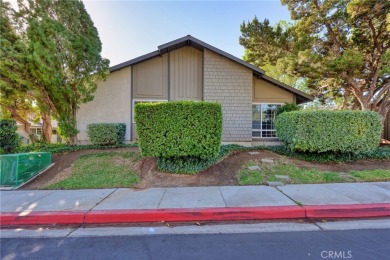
(129, 29)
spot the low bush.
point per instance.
(329, 131)
(106, 133)
(193, 165)
(9, 139)
(179, 129)
(380, 153)
(62, 148)
(287, 108)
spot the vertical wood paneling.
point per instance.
(186, 74)
(151, 78)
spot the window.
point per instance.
(135, 101)
(36, 130)
(263, 120)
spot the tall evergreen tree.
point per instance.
(16, 99)
(341, 48)
(65, 57)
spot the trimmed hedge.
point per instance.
(179, 129)
(9, 139)
(106, 133)
(329, 131)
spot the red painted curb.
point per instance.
(348, 211)
(42, 218)
(200, 214)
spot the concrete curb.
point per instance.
(348, 211)
(192, 215)
(200, 214)
(42, 218)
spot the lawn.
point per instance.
(300, 175)
(102, 170)
(123, 167)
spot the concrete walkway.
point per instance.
(222, 200)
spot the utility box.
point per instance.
(16, 169)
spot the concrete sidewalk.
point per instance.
(103, 206)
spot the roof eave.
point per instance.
(194, 42)
(135, 61)
(178, 43)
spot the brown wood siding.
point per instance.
(265, 92)
(151, 79)
(186, 74)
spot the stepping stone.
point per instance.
(254, 168)
(253, 153)
(275, 183)
(284, 177)
(267, 161)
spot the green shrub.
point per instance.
(63, 148)
(287, 108)
(179, 129)
(106, 133)
(329, 131)
(193, 165)
(9, 139)
(380, 153)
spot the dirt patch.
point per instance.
(62, 167)
(223, 173)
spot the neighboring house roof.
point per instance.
(198, 44)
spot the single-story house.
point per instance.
(190, 69)
(36, 129)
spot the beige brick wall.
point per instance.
(230, 84)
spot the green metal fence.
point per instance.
(18, 168)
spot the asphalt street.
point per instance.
(328, 244)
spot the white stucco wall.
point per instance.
(111, 104)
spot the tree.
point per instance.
(65, 57)
(14, 98)
(341, 48)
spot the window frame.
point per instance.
(146, 100)
(261, 122)
(36, 129)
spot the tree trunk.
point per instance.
(73, 139)
(383, 113)
(46, 127)
(26, 125)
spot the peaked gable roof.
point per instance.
(198, 44)
(181, 42)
